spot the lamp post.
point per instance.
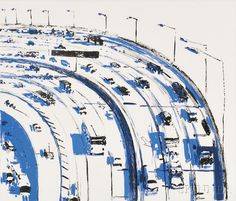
(205, 48)
(4, 10)
(136, 26)
(174, 29)
(14, 9)
(105, 17)
(47, 11)
(30, 12)
(73, 13)
(223, 82)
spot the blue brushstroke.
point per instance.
(24, 153)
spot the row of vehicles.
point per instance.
(95, 144)
(44, 96)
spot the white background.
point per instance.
(210, 22)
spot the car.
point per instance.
(60, 47)
(97, 150)
(177, 179)
(151, 184)
(109, 80)
(123, 90)
(206, 127)
(25, 189)
(36, 128)
(94, 38)
(154, 68)
(115, 65)
(31, 54)
(180, 91)
(9, 177)
(9, 146)
(24, 184)
(165, 117)
(192, 117)
(140, 82)
(30, 43)
(46, 97)
(65, 86)
(33, 67)
(206, 158)
(98, 140)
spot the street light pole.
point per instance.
(73, 13)
(14, 9)
(4, 10)
(136, 27)
(47, 11)
(30, 12)
(174, 29)
(224, 91)
(105, 18)
(205, 48)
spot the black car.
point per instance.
(206, 158)
(154, 68)
(206, 127)
(62, 47)
(99, 140)
(25, 189)
(165, 118)
(95, 39)
(180, 91)
(109, 80)
(144, 84)
(123, 90)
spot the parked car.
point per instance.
(151, 184)
(98, 140)
(123, 90)
(109, 80)
(62, 47)
(94, 38)
(97, 150)
(206, 127)
(206, 158)
(144, 84)
(177, 179)
(180, 91)
(115, 65)
(165, 118)
(154, 68)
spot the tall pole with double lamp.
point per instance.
(173, 29)
(48, 13)
(73, 15)
(105, 18)
(136, 27)
(14, 9)
(205, 59)
(30, 12)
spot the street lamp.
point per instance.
(223, 81)
(205, 47)
(47, 11)
(73, 13)
(14, 9)
(4, 10)
(174, 29)
(105, 17)
(136, 26)
(30, 12)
